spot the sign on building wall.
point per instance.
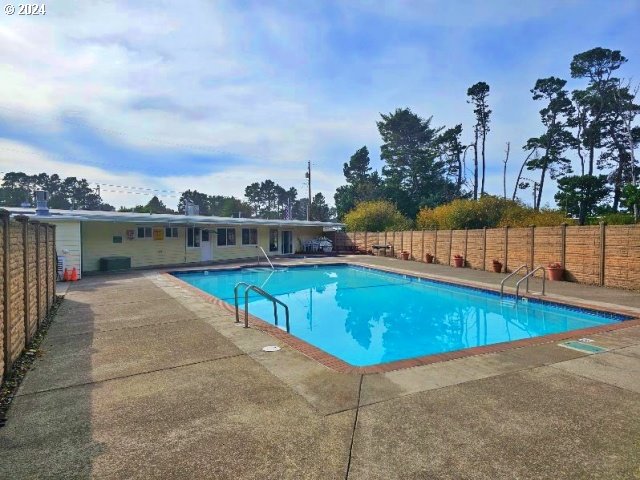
(158, 233)
(131, 233)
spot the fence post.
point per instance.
(603, 227)
(6, 345)
(401, 242)
(533, 232)
(25, 274)
(450, 245)
(366, 245)
(563, 244)
(54, 264)
(411, 245)
(38, 286)
(435, 247)
(466, 241)
(393, 239)
(484, 248)
(422, 254)
(506, 247)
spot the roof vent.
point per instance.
(42, 202)
(191, 208)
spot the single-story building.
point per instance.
(85, 237)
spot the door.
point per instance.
(287, 241)
(205, 246)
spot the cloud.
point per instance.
(221, 94)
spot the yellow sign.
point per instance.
(158, 233)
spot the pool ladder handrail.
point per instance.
(266, 295)
(511, 275)
(265, 256)
(532, 272)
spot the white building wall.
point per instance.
(68, 243)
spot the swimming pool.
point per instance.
(366, 316)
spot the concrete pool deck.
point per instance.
(141, 378)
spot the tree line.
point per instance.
(262, 199)
(426, 166)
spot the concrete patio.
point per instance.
(142, 378)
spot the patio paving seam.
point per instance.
(524, 369)
(569, 372)
(146, 372)
(353, 432)
(147, 325)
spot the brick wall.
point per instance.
(27, 282)
(597, 255)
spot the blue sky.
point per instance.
(216, 95)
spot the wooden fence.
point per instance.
(27, 282)
(598, 255)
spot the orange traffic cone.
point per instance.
(74, 275)
(65, 276)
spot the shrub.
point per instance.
(488, 211)
(613, 219)
(543, 218)
(459, 214)
(376, 216)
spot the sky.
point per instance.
(214, 95)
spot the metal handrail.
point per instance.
(544, 277)
(235, 296)
(265, 256)
(268, 296)
(511, 275)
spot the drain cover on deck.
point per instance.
(270, 348)
(582, 347)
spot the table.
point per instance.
(380, 249)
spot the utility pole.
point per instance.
(308, 175)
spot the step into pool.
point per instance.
(366, 316)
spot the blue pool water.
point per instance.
(366, 316)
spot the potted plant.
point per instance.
(458, 261)
(405, 255)
(497, 266)
(555, 271)
(429, 258)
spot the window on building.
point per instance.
(171, 232)
(145, 232)
(117, 239)
(205, 235)
(249, 236)
(193, 237)
(226, 237)
(273, 240)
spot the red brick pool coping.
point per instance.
(341, 366)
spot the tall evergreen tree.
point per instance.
(478, 94)
(451, 149)
(556, 139)
(413, 173)
(362, 184)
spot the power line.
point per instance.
(138, 188)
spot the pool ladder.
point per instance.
(265, 256)
(531, 273)
(523, 279)
(266, 295)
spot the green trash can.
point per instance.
(115, 264)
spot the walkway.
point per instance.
(140, 378)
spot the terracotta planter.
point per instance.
(458, 261)
(555, 273)
(497, 267)
(405, 255)
(429, 258)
